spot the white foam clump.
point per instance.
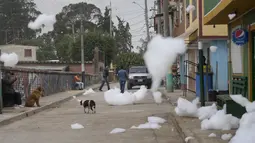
(165, 51)
(239, 99)
(188, 138)
(10, 60)
(77, 126)
(42, 19)
(186, 108)
(220, 121)
(190, 8)
(213, 48)
(153, 123)
(139, 94)
(245, 132)
(147, 125)
(231, 16)
(78, 100)
(157, 97)
(212, 135)
(207, 112)
(114, 97)
(117, 130)
(226, 137)
(154, 119)
(90, 91)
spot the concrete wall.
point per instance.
(73, 67)
(20, 51)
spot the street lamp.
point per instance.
(138, 5)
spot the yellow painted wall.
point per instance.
(219, 30)
(209, 30)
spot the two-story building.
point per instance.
(239, 16)
(189, 25)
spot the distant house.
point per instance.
(25, 53)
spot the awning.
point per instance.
(219, 14)
(187, 32)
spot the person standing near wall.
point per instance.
(105, 79)
(78, 83)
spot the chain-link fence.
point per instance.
(51, 81)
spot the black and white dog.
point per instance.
(90, 104)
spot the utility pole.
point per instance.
(159, 18)
(169, 76)
(73, 32)
(166, 18)
(201, 64)
(82, 54)
(147, 20)
(111, 19)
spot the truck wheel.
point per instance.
(129, 86)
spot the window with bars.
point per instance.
(28, 52)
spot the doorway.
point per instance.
(253, 63)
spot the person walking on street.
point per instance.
(105, 78)
(123, 76)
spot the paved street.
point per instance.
(54, 125)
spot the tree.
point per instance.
(95, 39)
(123, 36)
(14, 18)
(129, 59)
(67, 32)
(71, 16)
(142, 47)
(104, 22)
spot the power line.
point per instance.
(130, 12)
(135, 17)
(140, 29)
(133, 36)
(136, 23)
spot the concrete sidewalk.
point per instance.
(187, 126)
(11, 115)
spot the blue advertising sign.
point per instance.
(240, 37)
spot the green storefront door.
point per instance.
(253, 65)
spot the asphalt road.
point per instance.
(54, 125)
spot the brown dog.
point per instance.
(34, 97)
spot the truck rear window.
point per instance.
(138, 70)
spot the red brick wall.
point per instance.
(89, 68)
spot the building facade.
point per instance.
(239, 17)
(190, 26)
(25, 53)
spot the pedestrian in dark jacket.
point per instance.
(10, 96)
(105, 79)
(123, 76)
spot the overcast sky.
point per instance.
(123, 8)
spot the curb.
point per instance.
(38, 110)
(183, 133)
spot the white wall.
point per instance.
(20, 51)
